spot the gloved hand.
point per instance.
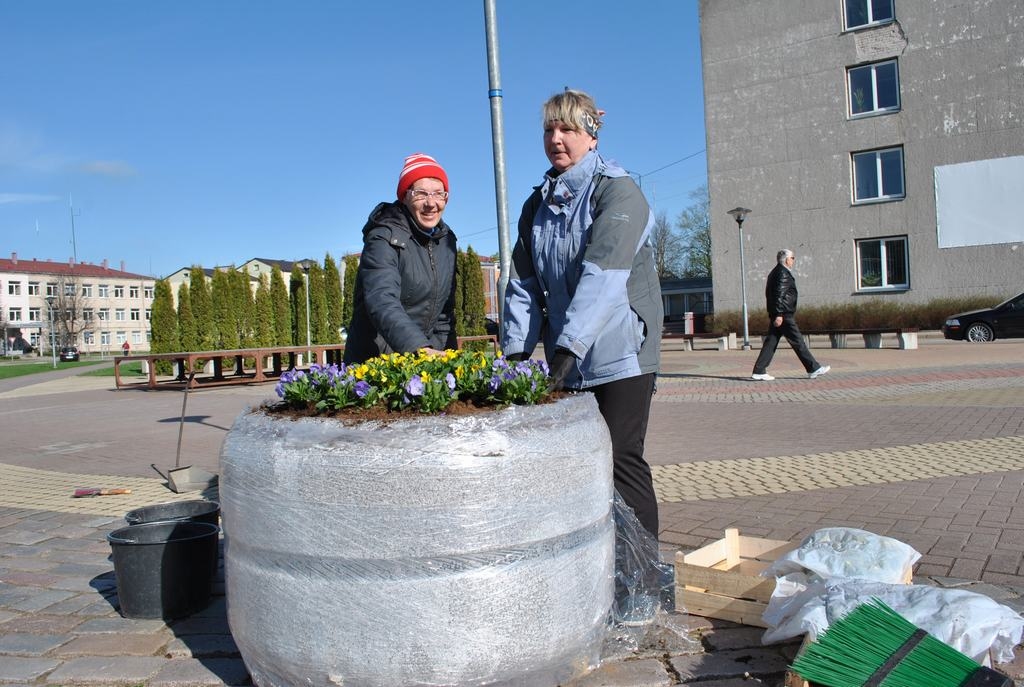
(516, 357)
(561, 366)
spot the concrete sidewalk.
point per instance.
(923, 445)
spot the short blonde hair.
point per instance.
(575, 110)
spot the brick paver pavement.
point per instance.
(924, 445)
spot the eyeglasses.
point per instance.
(418, 195)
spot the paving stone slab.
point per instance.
(21, 643)
(107, 670)
(212, 672)
(16, 668)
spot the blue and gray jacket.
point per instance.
(583, 275)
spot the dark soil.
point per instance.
(384, 415)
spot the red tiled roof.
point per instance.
(65, 269)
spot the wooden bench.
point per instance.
(906, 337)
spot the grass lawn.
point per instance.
(21, 368)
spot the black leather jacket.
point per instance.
(780, 292)
(405, 287)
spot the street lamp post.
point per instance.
(53, 344)
(304, 265)
(739, 214)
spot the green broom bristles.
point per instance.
(860, 645)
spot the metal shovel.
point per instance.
(188, 478)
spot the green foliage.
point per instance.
(164, 324)
(349, 290)
(335, 298)
(417, 381)
(263, 319)
(202, 309)
(223, 312)
(282, 308)
(470, 306)
(188, 336)
(297, 288)
(319, 314)
(243, 307)
(876, 312)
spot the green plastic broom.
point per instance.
(874, 646)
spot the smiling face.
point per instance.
(426, 211)
(566, 146)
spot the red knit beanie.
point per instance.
(419, 166)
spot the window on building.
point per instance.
(873, 88)
(33, 338)
(87, 314)
(33, 288)
(119, 315)
(51, 288)
(878, 175)
(118, 292)
(14, 288)
(860, 13)
(133, 292)
(148, 291)
(14, 314)
(122, 337)
(87, 290)
(103, 291)
(69, 289)
(104, 314)
(87, 338)
(135, 314)
(149, 313)
(136, 337)
(104, 338)
(883, 264)
(35, 314)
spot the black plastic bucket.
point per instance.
(199, 510)
(164, 569)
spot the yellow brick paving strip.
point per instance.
(51, 491)
(708, 480)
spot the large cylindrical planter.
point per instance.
(438, 550)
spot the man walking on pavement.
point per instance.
(780, 294)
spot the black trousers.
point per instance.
(625, 405)
(791, 332)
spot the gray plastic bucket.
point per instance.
(164, 569)
(199, 510)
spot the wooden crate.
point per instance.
(722, 580)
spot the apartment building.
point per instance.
(880, 140)
(46, 304)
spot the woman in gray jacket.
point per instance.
(584, 284)
(405, 287)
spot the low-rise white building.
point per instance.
(94, 307)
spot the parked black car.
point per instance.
(1004, 321)
(69, 353)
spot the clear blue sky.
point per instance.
(209, 133)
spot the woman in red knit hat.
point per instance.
(405, 286)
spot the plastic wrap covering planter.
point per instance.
(432, 551)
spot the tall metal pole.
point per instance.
(739, 214)
(498, 143)
(74, 244)
(743, 286)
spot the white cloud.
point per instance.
(26, 198)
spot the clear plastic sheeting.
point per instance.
(439, 550)
(969, 622)
(848, 552)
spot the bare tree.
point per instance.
(69, 311)
(694, 224)
(668, 249)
